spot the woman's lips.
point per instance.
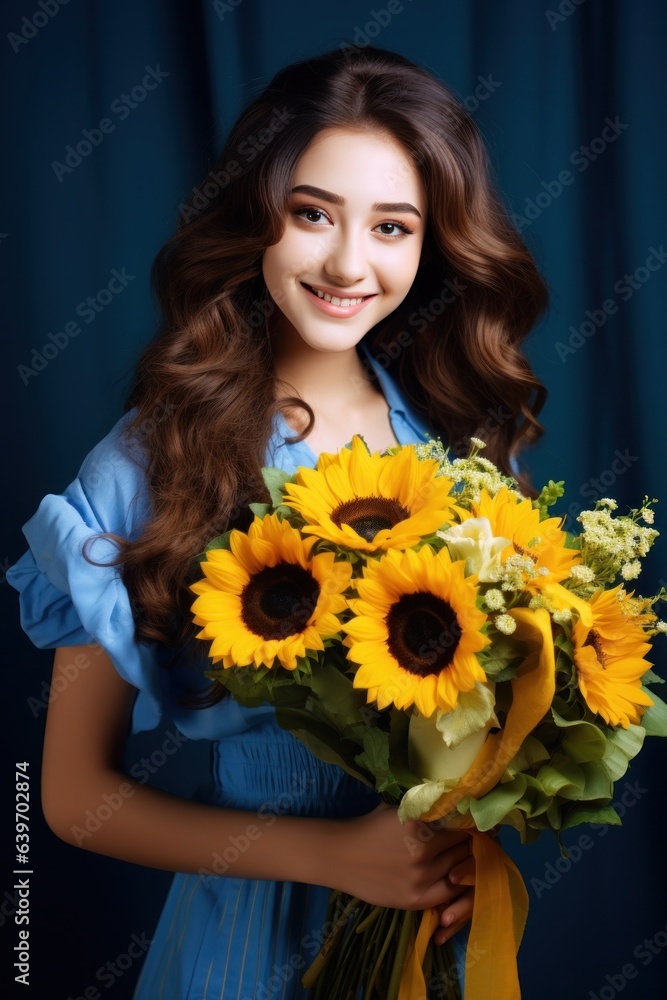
(333, 310)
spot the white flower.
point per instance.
(647, 515)
(445, 744)
(505, 624)
(631, 570)
(494, 599)
(582, 574)
(660, 626)
(608, 502)
(563, 616)
(474, 541)
(478, 442)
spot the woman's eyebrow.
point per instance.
(335, 199)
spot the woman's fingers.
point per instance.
(453, 856)
(459, 871)
(454, 916)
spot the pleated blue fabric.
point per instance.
(218, 936)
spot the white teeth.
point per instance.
(335, 300)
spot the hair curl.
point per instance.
(454, 342)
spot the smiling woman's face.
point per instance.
(354, 230)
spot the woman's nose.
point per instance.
(347, 260)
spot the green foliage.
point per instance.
(274, 480)
(548, 497)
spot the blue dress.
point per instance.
(218, 937)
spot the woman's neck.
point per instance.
(328, 380)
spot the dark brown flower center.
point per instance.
(524, 552)
(279, 600)
(368, 515)
(593, 639)
(423, 633)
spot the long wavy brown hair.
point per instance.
(454, 343)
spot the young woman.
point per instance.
(354, 272)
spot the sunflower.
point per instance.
(543, 542)
(416, 630)
(266, 597)
(372, 502)
(609, 657)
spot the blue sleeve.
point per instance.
(66, 600)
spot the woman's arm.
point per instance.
(374, 856)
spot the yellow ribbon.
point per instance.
(500, 907)
(499, 916)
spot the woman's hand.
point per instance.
(400, 865)
(457, 910)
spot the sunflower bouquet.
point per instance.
(420, 623)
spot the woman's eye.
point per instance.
(313, 215)
(395, 229)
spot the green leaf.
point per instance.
(500, 654)
(583, 813)
(530, 752)
(260, 509)
(492, 808)
(622, 746)
(321, 740)
(339, 699)
(220, 542)
(598, 784)
(584, 742)
(561, 777)
(275, 480)
(650, 677)
(654, 719)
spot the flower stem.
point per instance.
(320, 960)
(383, 951)
(407, 928)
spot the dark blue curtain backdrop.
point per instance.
(570, 96)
